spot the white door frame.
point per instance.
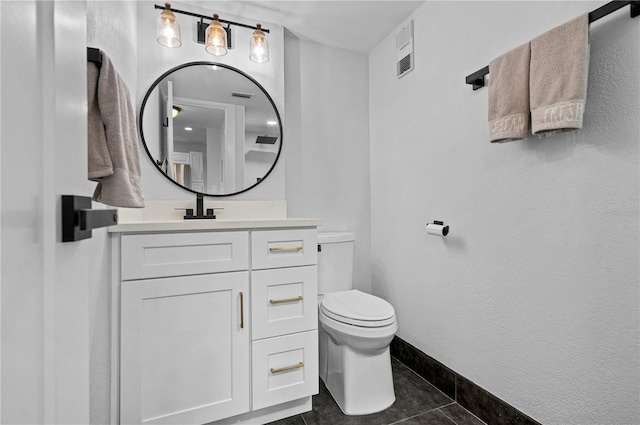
(45, 340)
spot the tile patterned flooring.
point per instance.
(417, 403)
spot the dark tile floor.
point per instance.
(417, 403)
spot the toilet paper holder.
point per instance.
(437, 228)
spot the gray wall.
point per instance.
(534, 295)
(327, 142)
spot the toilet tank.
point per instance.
(335, 261)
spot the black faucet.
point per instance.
(200, 210)
(199, 204)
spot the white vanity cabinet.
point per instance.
(214, 325)
(184, 334)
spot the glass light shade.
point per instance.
(216, 38)
(259, 46)
(168, 29)
(175, 111)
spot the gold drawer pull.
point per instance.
(287, 300)
(241, 311)
(286, 249)
(284, 369)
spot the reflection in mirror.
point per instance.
(210, 128)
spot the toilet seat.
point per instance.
(357, 309)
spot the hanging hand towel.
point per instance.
(509, 95)
(113, 156)
(558, 82)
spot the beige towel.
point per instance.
(113, 156)
(558, 82)
(509, 95)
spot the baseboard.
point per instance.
(466, 393)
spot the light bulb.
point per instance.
(216, 38)
(258, 46)
(168, 28)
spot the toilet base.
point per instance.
(361, 384)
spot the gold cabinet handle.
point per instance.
(284, 369)
(287, 300)
(241, 310)
(286, 248)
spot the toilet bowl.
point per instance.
(355, 364)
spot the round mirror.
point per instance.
(210, 128)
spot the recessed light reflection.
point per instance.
(271, 122)
(188, 128)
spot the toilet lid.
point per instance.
(357, 308)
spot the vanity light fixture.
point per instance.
(215, 37)
(258, 46)
(168, 28)
(175, 111)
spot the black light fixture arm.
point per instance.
(210, 18)
(477, 78)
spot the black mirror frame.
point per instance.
(172, 70)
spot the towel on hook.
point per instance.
(558, 82)
(509, 95)
(113, 156)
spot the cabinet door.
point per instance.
(184, 349)
(196, 166)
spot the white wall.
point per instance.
(153, 60)
(111, 27)
(534, 295)
(327, 142)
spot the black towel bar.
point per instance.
(477, 78)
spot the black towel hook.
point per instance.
(94, 55)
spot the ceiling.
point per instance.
(352, 25)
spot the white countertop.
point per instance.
(167, 216)
(207, 224)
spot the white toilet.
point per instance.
(355, 331)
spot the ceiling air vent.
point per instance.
(269, 140)
(242, 95)
(404, 49)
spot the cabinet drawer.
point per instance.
(285, 368)
(179, 254)
(284, 248)
(284, 301)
